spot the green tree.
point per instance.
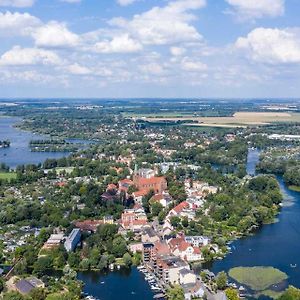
(43, 264)
(13, 296)
(232, 294)
(156, 208)
(291, 293)
(221, 280)
(127, 260)
(1, 285)
(38, 294)
(175, 293)
(74, 259)
(119, 247)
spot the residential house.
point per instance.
(168, 269)
(25, 286)
(149, 235)
(164, 199)
(198, 241)
(187, 277)
(186, 251)
(125, 184)
(134, 219)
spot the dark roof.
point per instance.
(24, 286)
(185, 272)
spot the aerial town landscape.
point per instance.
(149, 149)
(170, 202)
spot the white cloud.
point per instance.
(17, 3)
(55, 35)
(17, 23)
(119, 44)
(177, 51)
(126, 2)
(77, 69)
(271, 45)
(152, 68)
(250, 9)
(191, 65)
(18, 56)
(163, 25)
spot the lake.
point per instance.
(19, 152)
(122, 284)
(277, 244)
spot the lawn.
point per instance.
(257, 278)
(8, 176)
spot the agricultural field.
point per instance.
(239, 119)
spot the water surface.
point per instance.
(277, 244)
(19, 151)
(122, 284)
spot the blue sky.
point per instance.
(149, 48)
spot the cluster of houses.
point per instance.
(169, 259)
(16, 237)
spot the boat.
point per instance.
(141, 267)
(102, 282)
(293, 265)
(90, 298)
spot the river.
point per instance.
(19, 152)
(277, 244)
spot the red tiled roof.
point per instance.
(180, 207)
(161, 248)
(140, 193)
(197, 250)
(183, 246)
(150, 181)
(126, 180)
(157, 197)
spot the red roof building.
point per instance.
(157, 184)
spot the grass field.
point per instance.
(68, 170)
(294, 188)
(257, 278)
(239, 119)
(8, 176)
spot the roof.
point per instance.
(140, 193)
(150, 181)
(126, 181)
(24, 286)
(157, 197)
(184, 272)
(162, 248)
(89, 225)
(180, 207)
